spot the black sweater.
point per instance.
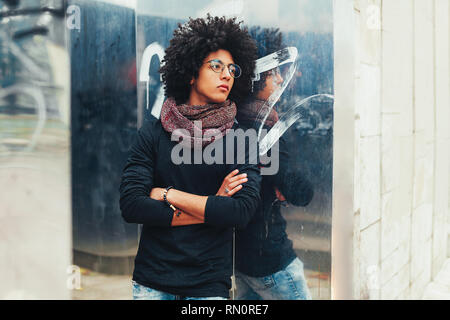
(263, 247)
(191, 260)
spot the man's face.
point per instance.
(210, 86)
(273, 82)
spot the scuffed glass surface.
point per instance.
(115, 53)
(104, 122)
(304, 103)
(115, 56)
(34, 151)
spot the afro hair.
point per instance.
(193, 41)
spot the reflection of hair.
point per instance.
(197, 38)
(269, 41)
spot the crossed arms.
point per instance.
(141, 201)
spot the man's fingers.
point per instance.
(233, 182)
(238, 177)
(236, 183)
(234, 190)
(232, 173)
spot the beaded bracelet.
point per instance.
(167, 201)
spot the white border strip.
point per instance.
(343, 150)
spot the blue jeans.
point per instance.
(287, 284)
(141, 292)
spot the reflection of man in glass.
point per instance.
(267, 266)
(188, 210)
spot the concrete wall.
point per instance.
(401, 178)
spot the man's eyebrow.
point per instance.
(218, 60)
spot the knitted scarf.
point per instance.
(216, 120)
(255, 111)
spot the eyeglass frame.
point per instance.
(223, 67)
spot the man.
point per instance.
(188, 209)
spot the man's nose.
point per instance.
(226, 73)
(279, 78)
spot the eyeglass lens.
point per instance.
(218, 66)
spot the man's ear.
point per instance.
(192, 81)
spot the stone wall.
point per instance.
(401, 177)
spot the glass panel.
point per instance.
(115, 85)
(303, 102)
(34, 151)
(104, 123)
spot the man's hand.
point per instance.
(232, 184)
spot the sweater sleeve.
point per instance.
(237, 211)
(291, 182)
(137, 181)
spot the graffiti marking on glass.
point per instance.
(40, 79)
(270, 164)
(271, 61)
(144, 75)
(293, 114)
(38, 97)
(74, 18)
(373, 17)
(24, 59)
(74, 278)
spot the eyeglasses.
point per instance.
(217, 66)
